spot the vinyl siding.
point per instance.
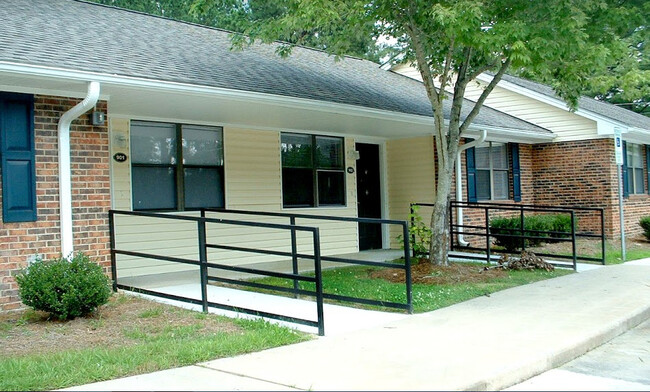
(566, 125)
(411, 177)
(252, 169)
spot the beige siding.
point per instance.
(253, 181)
(120, 171)
(566, 125)
(407, 70)
(411, 176)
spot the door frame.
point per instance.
(383, 189)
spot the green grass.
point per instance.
(172, 347)
(613, 256)
(354, 281)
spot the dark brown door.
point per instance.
(368, 195)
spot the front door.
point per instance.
(368, 195)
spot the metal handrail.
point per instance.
(203, 265)
(292, 218)
(523, 233)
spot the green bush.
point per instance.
(65, 289)
(645, 224)
(560, 223)
(420, 231)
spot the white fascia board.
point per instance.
(637, 135)
(507, 134)
(248, 96)
(605, 125)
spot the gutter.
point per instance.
(65, 183)
(459, 184)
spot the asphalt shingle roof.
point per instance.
(82, 36)
(605, 109)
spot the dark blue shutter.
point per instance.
(471, 175)
(647, 163)
(626, 187)
(17, 155)
(516, 172)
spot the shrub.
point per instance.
(645, 225)
(64, 288)
(539, 224)
(420, 231)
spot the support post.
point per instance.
(203, 259)
(294, 255)
(620, 209)
(522, 228)
(407, 266)
(573, 240)
(111, 230)
(602, 234)
(487, 235)
(318, 274)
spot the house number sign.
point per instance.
(120, 157)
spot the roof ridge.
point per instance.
(92, 3)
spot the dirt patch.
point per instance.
(28, 332)
(588, 247)
(426, 273)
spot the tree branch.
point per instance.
(482, 69)
(445, 74)
(479, 103)
(423, 65)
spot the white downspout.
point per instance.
(459, 184)
(65, 186)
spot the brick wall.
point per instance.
(583, 173)
(90, 196)
(577, 173)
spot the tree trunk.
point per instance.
(439, 248)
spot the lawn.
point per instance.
(433, 288)
(637, 247)
(127, 336)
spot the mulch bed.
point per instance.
(425, 272)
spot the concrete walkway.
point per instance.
(488, 343)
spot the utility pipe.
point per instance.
(65, 183)
(459, 184)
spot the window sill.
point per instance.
(637, 196)
(341, 207)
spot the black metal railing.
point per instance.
(522, 234)
(295, 255)
(203, 264)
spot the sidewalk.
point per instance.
(488, 343)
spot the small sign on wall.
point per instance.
(618, 145)
(120, 157)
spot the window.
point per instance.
(312, 171)
(635, 180)
(167, 175)
(492, 171)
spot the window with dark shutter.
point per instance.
(488, 172)
(17, 153)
